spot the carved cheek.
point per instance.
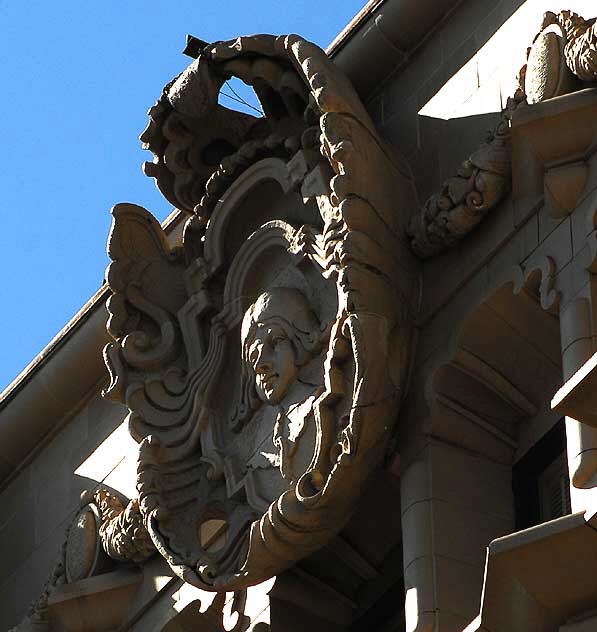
(285, 363)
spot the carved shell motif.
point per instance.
(264, 361)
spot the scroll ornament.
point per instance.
(480, 183)
(264, 359)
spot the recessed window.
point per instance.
(540, 481)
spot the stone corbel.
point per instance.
(563, 185)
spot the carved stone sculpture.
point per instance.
(465, 199)
(563, 55)
(581, 43)
(263, 362)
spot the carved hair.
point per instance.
(288, 309)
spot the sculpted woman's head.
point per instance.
(279, 334)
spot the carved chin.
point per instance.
(272, 393)
(273, 389)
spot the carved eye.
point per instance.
(253, 355)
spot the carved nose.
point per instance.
(263, 363)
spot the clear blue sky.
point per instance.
(78, 78)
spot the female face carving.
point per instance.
(279, 334)
(271, 355)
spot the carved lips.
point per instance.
(272, 357)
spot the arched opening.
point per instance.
(481, 445)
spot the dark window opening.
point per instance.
(540, 481)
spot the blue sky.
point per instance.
(78, 78)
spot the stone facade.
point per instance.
(432, 304)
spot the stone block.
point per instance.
(8, 613)
(462, 136)
(501, 267)
(415, 481)
(18, 538)
(108, 454)
(525, 208)
(448, 622)
(582, 221)
(414, 439)
(526, 440)
(123, 477)
(417, 525)
(573, 279)
(486, 98)
(456, 292)
(433, 85)
(575, 323)
(401, 124)
(402, 87)
(489, 490)
(530, 235)
(542, 423)
(57, 452)
(464, 534)
(32, 575)
(452, 426)
(547, 223)
(429, 57)
(104, 417)
(52, 501)
(431, 337)
(532, 430)
(425, 162)
(457, 28)
(458, 587)
(557, 244)
(16, 494)
(375, 110)
(419, 586)
(575, 355)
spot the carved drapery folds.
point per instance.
(263, 362)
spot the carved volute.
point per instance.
(263, 362)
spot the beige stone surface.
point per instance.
(505, 319)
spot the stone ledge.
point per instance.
(577, 398)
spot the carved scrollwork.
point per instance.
(480, 183)
(264, 362)
(485, 177)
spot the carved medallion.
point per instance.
(264, 361)
(83, 555)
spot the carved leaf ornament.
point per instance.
(263, 362)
